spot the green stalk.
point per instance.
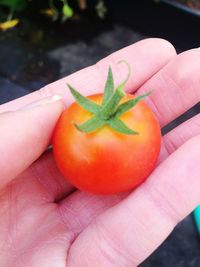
(110, 111)
(110, 108)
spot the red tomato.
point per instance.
(106, 161)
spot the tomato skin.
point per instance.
(106, 161)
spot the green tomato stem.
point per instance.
(110, 111)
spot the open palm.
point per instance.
(46, 222)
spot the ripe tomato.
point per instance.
(106, 161)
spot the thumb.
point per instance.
(25, 134)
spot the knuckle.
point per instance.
(110, 247)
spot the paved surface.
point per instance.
(181, 249)
(26, 67)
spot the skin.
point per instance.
(106, 161)
(44, 222)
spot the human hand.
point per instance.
(46, 222)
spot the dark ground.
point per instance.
(31, 58)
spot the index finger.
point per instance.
(145, 57)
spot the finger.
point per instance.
(129, 232)
(179, 135)
(45, 180)
(25, 134)
(145, 58)
(41, 183)
(175, 88)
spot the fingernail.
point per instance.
(55, 98)
(44, 101)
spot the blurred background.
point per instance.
(42, 41)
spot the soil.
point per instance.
(194, 4)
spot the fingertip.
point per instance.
(163, 44)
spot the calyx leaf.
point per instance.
(124, 107)
(110, 111)
(121, 127)
(109, 87)
(90, 125)
(84, 101)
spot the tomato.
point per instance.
(106, 161)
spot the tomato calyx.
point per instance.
(109, 112)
